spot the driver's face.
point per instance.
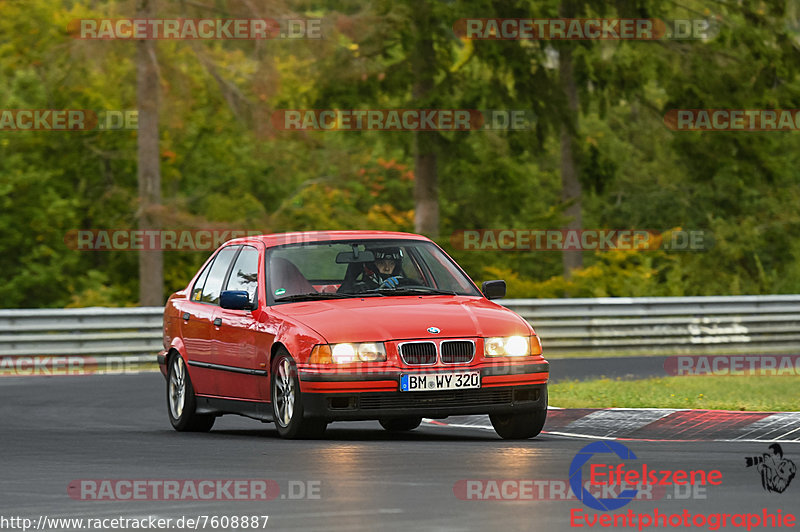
(385, 266)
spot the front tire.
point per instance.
(181, 401)
(400, 424)
(519, 426)
(287, 405)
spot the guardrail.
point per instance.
(650, 325)
(81, 331)
(665, 325)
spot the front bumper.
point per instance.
(372, 405)
(162, 362)
(343, 396)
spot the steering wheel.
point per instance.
(400, 281)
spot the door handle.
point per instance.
(218, 322)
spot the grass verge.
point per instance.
(766, 394)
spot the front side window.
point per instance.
(216, 275)
(197, 290)
(244, 275)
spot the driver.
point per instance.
(386, 271)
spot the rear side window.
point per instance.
(216, 275)
(244, 275)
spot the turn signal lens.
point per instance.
(321, 354)
(536, 345)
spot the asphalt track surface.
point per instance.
(57, 430)
(631, 367)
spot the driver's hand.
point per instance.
(391, 282)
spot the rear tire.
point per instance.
(519, 426)
(400, 424)
(287, 404)
(181, 401)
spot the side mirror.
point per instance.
(492, 289)
(235, 300)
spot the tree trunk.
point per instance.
(426, 187)
(151, 264)
(570, 184)
(426, 182)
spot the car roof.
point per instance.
(278, 239)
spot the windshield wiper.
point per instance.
(312, 296)
(414, 291)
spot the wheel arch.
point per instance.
(276, 348)
(171, 354)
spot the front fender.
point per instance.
(297, 337)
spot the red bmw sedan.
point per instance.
(302, 329)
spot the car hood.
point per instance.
(405, 317)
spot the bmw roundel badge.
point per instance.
(433, 330)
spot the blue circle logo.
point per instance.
(576, 476)
(434, 330)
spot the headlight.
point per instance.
(348, 353)
(371, 352)
(507, 346)
(343, 353)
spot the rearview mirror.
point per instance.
(235, 300)
(494, 289)
(346, 257)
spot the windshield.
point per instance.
(375, 268)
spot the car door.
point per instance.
(197, 318)
(243, 344)
(194, 319)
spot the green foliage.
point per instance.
(628, 273)
(225, 166)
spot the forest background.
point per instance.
(207, 155)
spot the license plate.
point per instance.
(431, 382)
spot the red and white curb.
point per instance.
(658, 424)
